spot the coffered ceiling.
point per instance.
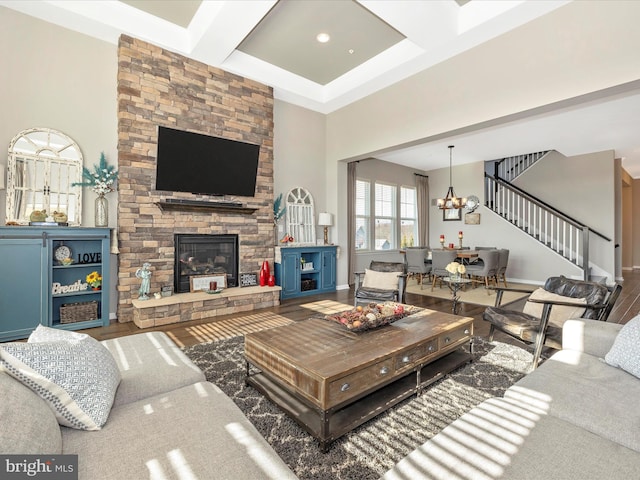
(372, 44)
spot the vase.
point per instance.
(264, 274)
(102, 211)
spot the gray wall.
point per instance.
(533, 66)
(299, 156)
(53, 77)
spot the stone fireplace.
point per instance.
(159, 87)
(205, 256)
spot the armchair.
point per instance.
(381, 282)
(548, 308)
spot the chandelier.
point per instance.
(451, 200)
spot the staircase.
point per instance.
(511, 167)
(564, 235)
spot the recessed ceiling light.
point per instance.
(323, 37)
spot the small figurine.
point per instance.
(286, 239)
(145, 285)
(38, 216)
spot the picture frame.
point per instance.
(198, 283)
(248, 279)
(452, 214)
(472, 219)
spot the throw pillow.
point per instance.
(381, 280)
(559, 313)
(48, 334)
(625, 352)
(77, 377)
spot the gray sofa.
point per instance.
(166, 422)
(574, 417)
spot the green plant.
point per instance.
(278, 209)
(101, 180)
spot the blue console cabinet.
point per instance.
(37, 289)
(305, 270)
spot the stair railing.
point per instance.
(558, 231)
(509, 168)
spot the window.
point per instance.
(363, 214)
(393, 223)
(386, 214)
(408, 217)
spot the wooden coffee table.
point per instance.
(331, 380)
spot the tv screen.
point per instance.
(197, 163)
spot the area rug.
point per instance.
(475, 296)
(371, 449)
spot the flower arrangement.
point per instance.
(101, 180)
(278, 209)
(456, 268)
(94, 279)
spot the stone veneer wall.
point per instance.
(159, 87)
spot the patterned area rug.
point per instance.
(371, 449)
(475, 296)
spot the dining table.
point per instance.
(467, 255)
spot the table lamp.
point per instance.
(325, 220)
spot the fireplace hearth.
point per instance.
(205, 255)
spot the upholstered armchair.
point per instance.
(546, 310)
(381, 282)
(439, 261)
(486, 267)
(416, 263)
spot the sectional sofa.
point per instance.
(574, 417)
(164, 420)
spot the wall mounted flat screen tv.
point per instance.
(203, 164)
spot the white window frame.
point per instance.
(404, 217)
(386, 210)
(365, 217)
(370, 216)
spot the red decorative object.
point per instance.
(264, 274)
(272, 281)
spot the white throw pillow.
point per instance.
(559, 313)
(48, 334)
(74, 374)
(625, 352)
(381, 280)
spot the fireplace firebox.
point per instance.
(198, 255)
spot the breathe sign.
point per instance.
(57, 288)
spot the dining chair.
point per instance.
(503, 262)
(439, 261)
(416, 263)
(487, 268)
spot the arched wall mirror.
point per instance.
(43, 164)
(301, 216)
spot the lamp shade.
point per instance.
(325, 219)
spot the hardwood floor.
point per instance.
(191, 333)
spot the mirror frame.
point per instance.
(43, 164)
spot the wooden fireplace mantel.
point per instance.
(176, 204)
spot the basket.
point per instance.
(307, 284)
(78, 312)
